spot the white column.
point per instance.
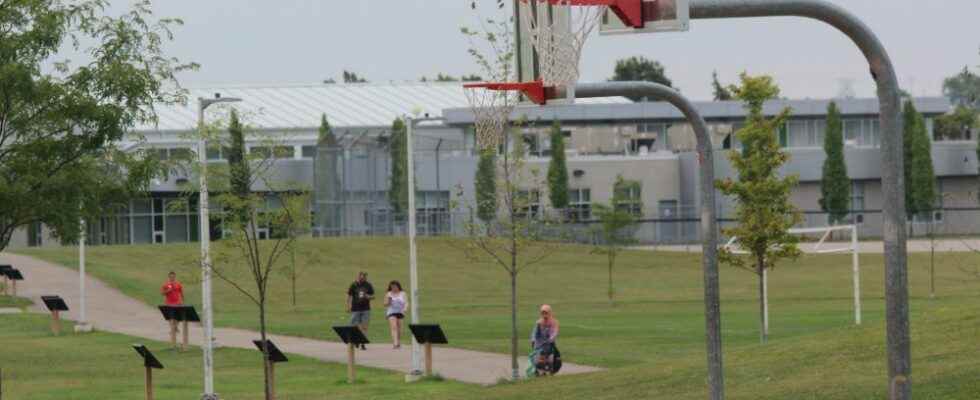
(412, 252)
(82, 320)
(205, 238)
(857, 274)
(765, 301)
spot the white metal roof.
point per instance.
(346, 105)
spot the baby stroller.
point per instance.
(543, 366)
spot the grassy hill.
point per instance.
(651, 338)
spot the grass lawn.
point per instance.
(651, 338)
(36, 365)
(13, 302)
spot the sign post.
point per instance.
(428, 334)
(6, 279)
(179, 315)
(274, 356)
(14, 275)
(353, 337)
(56, 305)
(149, 363)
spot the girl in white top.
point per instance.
(395, 302)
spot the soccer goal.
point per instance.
(822, 246)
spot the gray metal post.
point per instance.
(709, 223)
(412, 249)
(892, 180)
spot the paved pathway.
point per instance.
(113, 311)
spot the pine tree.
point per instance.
(763, 209)
(397, 147)
(721, 92)
(486, 186)
(326, 132)
(920, 182)
(240, 176)
(835, 186)
(557, 169)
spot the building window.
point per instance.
(277, 152)
(532, 144)
(857, 202)
(640, 146)
(862, 132)
(35, 235)
(528, 204)
(218, 153)
(805, 133)
(580, 204)
(627, 196)
(309, 152)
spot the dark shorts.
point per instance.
(396, 315)
(546, 349)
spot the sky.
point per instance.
(306, 41)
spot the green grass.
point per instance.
(14, 302)
(38, 365)
(651, 338)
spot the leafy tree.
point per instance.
(614, 230)
(244, 258)
(920, 182)
(351, 77)
(721, 92)
(963, 89)
(557, 169)
(514, 244)
(486, 186)
(763, 209)
(326, 132)
(397, 147)
(835, 186)
(640, 69)
(60, 122)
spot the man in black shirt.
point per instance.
(359, 297)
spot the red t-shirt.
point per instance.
(174, 293)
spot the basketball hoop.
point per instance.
(558, 34)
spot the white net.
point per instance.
(491, 111)
(558, 34)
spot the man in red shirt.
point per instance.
(173, 295)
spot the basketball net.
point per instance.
(558, 37)
(491, 112)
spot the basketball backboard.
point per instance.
(658, 16)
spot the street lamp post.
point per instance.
(205, 237)
(412, 249)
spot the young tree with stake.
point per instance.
(615, 221)
(763, 209)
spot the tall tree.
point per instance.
(486, 186)
(60, 121)
(721, 92)
(557, 169)
(640, 69)
(920, 182)
(325, 132)
(397, 147)
(963, 89)
(763, 209)
(614, 226)
(352, 77)
(835, 186)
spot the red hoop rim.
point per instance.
(535, 91)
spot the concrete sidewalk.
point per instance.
(870, 247)
(110, 310)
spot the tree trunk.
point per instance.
(515, 368)
(612, 260)
(292, 272)
(932, 267)
(763, 331)
(265, 349)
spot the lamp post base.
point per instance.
(413, 376)
(209, 396)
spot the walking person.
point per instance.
(396, 303)
(173, 295)
(359, 297)
(544, 337)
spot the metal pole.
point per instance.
(892, 180)
(81, 274)
(857, 274)
(709, 223)
(205, 237)
(412, 250)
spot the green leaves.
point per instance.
(557, 169)
(835, 186)
(763, 208)
(920, 181)
(486, 186)
(398, 148)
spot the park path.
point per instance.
(964, 245)
(110, 310)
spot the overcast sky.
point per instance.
(306, 41)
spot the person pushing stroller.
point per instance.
(545, 356)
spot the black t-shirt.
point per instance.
(360, 296)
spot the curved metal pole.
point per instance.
(709, 223)
(892, 175)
